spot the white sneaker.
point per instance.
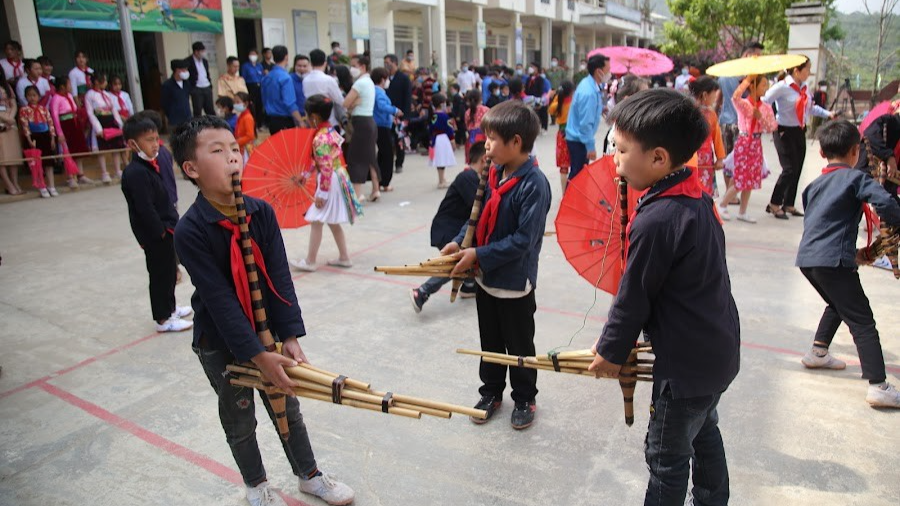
(264, 495)
(182, 311)
(883, 395)
(301, 265)
(53, 192)
(105, 179)
(44, 193)
(174, 324)
(330, 491)
(746, 218)
(724, 214)
(815, 360)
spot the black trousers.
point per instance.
(790, 143)
(544, 117)
(399, 151)
(202, 100)
(279, 123)
(506, 326)
(842, 291)
(385, 144)
(258, 111)
(161, 267)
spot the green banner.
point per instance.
(251, 9)
(146, 15)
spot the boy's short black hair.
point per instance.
(662, 118)
(317, 57)
(511, 118)
(178, 64)
(184, 140)
(837, 138)
(279, 53)
(138, 125)
(198, 46)
(438, 99)
(245, 98)
(476, 151)
(225, 103)
(44, 60)
(153, 116)
(300, 57)
(493, 86)
(320, 105)
(231, 59)
(750, 46)
(335, 44)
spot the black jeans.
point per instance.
(202, 101)
(399, 151)
(684, 433)
(258, 111)
(790, 143)
(842, 291)
(506, 326)
(162, 267)
(279, 123)
(385, 143)
(237, 412)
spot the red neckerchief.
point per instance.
(491, 210)
(106, 99)
(122, 107)
(753, 121)
(17, 67)
(154, 164)
(689, 187)
(36, 113)
(87, 77)
(871, 217)
(801, 103)
(72, 103)
(239, 270)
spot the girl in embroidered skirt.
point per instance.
(10, 145)
(442, 130)
(474, 112)
(755, 117)
(123, 105)
(105, 122)
(37, 128)
(69, 135)
(559, 109)
(711, 155)
(335, 200)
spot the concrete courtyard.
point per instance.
(97, 409)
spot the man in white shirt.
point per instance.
(681, 82)
(32, 77)
(201, 87)
(467, 80)
(317, 82)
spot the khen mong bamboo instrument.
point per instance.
(470, 228)
(888, 243)
(276, 397)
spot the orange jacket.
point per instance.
(245, 133)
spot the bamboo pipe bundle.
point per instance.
(437, 271)
(469, 238)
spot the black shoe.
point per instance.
(398, 170)
(418, 299)
(489, 403)
(523, 415)
(793, 211)
(777, 212)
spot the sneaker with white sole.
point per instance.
(174, 324)
(819, 358)
(72, 184)
(746, 218)
(883, 395)
(327, 489)
(53, 192)
(724, 214)
(264, 495)
(182, 311)
(301, 265)
(85, 180)
(44, 193)
(105, 179)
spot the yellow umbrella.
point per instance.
(756, 65)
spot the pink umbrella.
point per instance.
(886, 107)
(639, 61)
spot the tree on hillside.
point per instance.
(885, 20)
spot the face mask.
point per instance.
(606, 77)
(143, 156)
(530, 70)
(420, 80)
(823, 88)
(253, 58)
(497, 93)
(684, 72)
(670, 85)
(465, 69)
(554, 63)
(409, 58)
(519, 72)
(582, 67)
(184, 75)
(385, 84)
(240, 107)
(355, 72)
(202, 54)
(220, 113)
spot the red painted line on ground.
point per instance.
(389, 239)
(168, 446)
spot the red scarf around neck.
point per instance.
(491, 210)
(17, 67)
(239, 270)
(801, 103)
(871, 218)
(123, 111)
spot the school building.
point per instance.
(446, 32)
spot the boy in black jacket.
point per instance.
(675, 288)
(452, 214)
(827, 257)
(207, 242)
(153, 218)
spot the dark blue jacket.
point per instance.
(252, 74)
(455, 208)
(833, 207)
(150, 211)
(167, 171)
(511, 256)
(176, 102)
(676, 288)
(298, 92)
(204, 248)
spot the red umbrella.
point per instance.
(638, 61)
(588, 225)
(275, 170)
(886, 107)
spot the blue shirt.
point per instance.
(511, 256)
(486, 83)
(204, 248)
(384, 110)
(232, 122)
(252, 74)
(786, 97)
(729, 114)
(584, 114)
(278, 94)
(298, 92)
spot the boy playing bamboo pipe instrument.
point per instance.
(509, 236)
(206, 239)
(676, 288)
